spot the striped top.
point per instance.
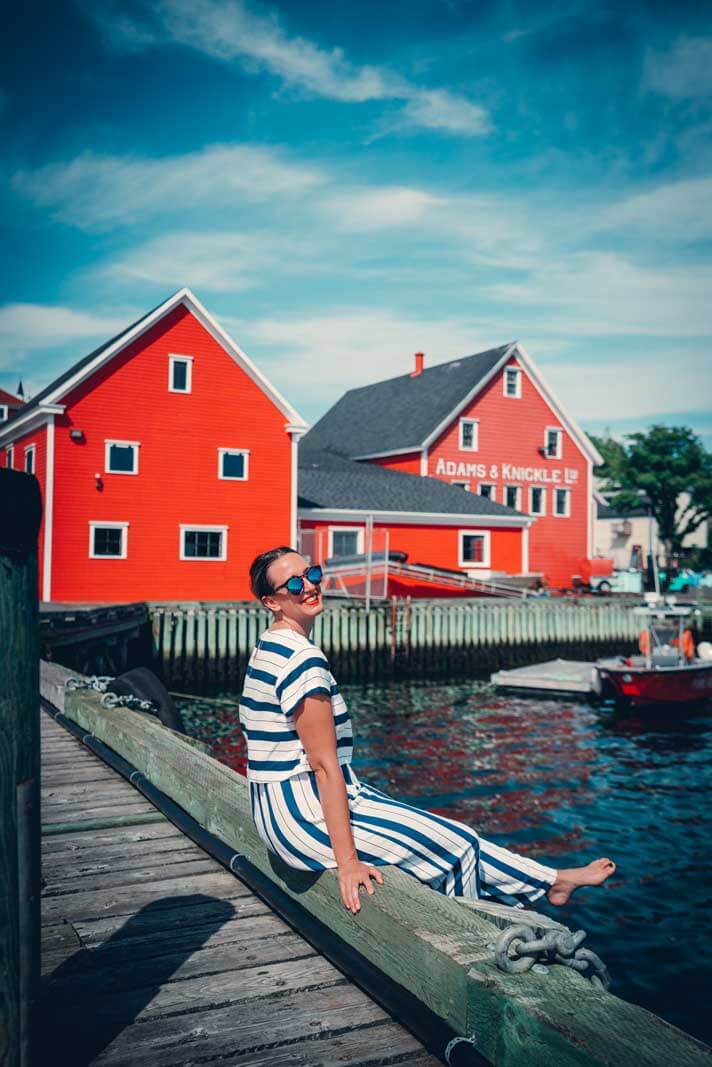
(284, 668)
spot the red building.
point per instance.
(166, 462)
(488, 424)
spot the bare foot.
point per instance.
(568, 880)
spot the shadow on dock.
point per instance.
(97, 992)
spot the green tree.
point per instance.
(662, 463)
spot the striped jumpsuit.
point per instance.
(284, 668)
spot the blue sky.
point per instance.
(345, 184)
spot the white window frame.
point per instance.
(475, 435)
(136, 445)
(493, 487)
(96, 524)
(190, 527)
(172, 360)
(360, 541)
(559, 442)
(233, 452)
(517, 394)
(543, 500)
(518, 505)
(10, 456)
(562, 514)
(4, 412)
(486, 550)
(461, 485)
(31, 450)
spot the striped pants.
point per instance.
(443, 853)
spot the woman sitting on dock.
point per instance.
(308, 805)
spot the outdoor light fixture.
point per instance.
(76, 435)
(99, 483)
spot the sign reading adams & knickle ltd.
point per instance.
(507, 471)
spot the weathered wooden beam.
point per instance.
(433, 946)
(21, 511)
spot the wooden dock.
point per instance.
(153, 953)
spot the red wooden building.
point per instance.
(166, 462)
(488, 424)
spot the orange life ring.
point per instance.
(644, 642)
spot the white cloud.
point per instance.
(96, 192)
(379, 207)
(229, 31)
(680, 212)
(684, 72)
(25, 328)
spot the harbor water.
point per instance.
(565, 782)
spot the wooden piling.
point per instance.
(19, 766)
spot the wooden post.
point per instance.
(19, 765)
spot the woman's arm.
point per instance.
(314, 722)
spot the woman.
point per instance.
(307, 803)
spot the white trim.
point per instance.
(486, 553)
(24, 424)
(475, 423)
(424, 463)
(461, 485)
(412, 518)
(561, 514)
(108, 442)
(559, 454)
(525, 550)
(48, 511)
(493, 487)
(188, 360)
(517, 394)
(390, 452)
(186, 527)
(359, 530)
(10, 457)
(189, 300)
(3, 412)
(33, 449)
(589, 511)
(233, 452)
(97, 524)
(295, 434)
(538, 514)
(518, 505)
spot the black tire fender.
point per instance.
(142, 683)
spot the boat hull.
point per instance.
(666, 685)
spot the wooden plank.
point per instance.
(194, 1036)
(56, 813)
(81, 842)
(126, 900)
(130, 819)
(93, 880)
(370, 1046)
(77, 863)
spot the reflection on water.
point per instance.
(564, 782)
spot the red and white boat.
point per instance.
(668, 669)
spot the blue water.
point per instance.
(564, 782)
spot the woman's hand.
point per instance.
(352, 874)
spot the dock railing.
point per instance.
(435, 948)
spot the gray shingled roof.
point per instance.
(81, 363)
(327, 480)
(402, 412)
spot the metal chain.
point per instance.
(555, 946)
(99, 683)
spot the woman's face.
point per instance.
(300, 608)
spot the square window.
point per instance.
(3, 412)
(512, 496)
(108, 540)
(562, 503)
(474, 548)
(232, 464)
(344, 542)
(203, 542)
(180, 374)
(469, 435)
(461, 485)
(489, 491)
(513, 382)
(30, 460)
(537, 500)
(553, 443)
(121, 457)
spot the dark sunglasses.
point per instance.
(295, 584)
